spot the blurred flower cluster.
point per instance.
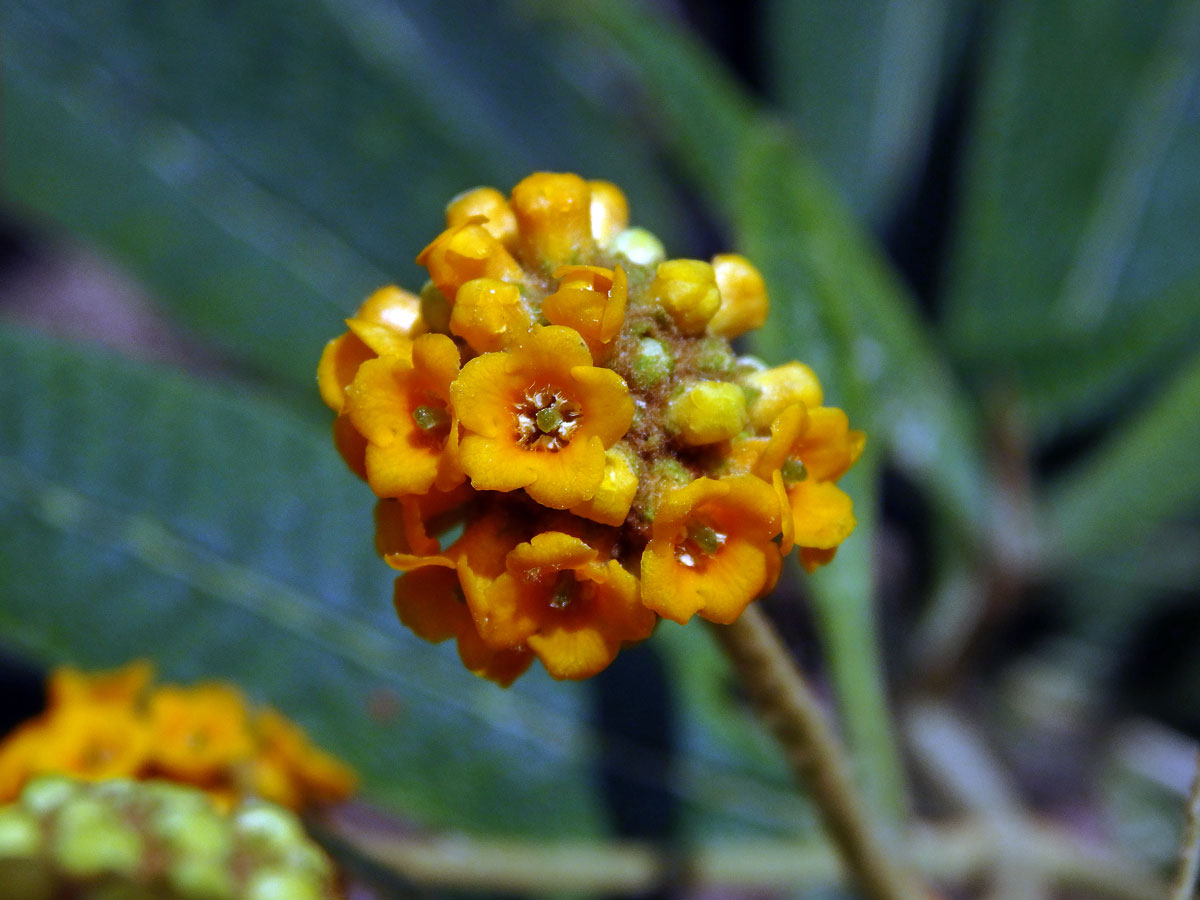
(115, 724)
(565, 445)
(118, 839)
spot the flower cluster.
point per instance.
(564, 445)
(66, 839)
(115, 725)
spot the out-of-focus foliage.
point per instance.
(261, 166)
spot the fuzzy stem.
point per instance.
(791, 710)
(1189, 852)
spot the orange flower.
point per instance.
(199, 732)
(404, 527)
(430, 601)
(712, 549)
(286, 756)
(386, 317)
(591, 300)
(93, 741)
(123, 686)
(540, 417)
(490, 315)
(402, 407)
(464, 252)
(562, 596)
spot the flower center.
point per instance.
(433, 422)
(545, 420)
(700, 543)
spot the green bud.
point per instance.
(198, 878)
(639, 246)
(268, 826)
(714, 357)
(45, 794)
(281, 884)
(652, 363)
(19, 832)
(91, 839)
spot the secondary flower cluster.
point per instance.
(114, 725)
(66, 839)
(564, 444)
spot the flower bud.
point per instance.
(639, 246)
(609, 209)
(489, 204)
(687, 290)
(773, 390)
(707, 412)
(743, 296)
(553, 212)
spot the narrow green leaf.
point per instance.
(1081, 184)
(143, 513)
(264, 169)
(862, 88)
(1143, 475)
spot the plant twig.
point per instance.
(1184, 885)
(816, 757)
(955, 855)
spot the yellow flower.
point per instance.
(561, 595)
(387, 317)
(125, 686)
(198, 732)
(94, 741)
(315, 776)
(401, 405)
(540, 417)
(465, 252)
(490, 315)
(430, 601)
(591, 300)
(607, 455)
(712, 549)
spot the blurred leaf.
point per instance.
(263, 165)
(1082, 181)
(142, 512)
(1144, 474)
(862, 87)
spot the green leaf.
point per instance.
(1081, 186)
(263, 169)
(862, 88)
(1143, 475)
(143, 513)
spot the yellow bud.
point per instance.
(612, 499)
(554, 217)
(776, 389)
(610, 211)
(707, 412)
(687, 290)
(464, 252)
(639, 246)
(743, 296)
(487, 203)
(489, 314)
(394, 308)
